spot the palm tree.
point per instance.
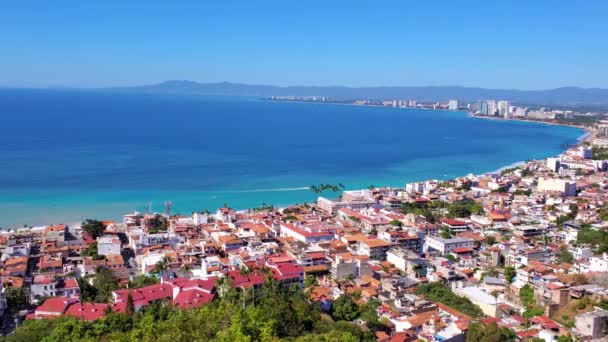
(186, 268)
(222, 284)
(161, 267)
(246, 271)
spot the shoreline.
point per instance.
(588, 131)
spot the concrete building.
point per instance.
(521, 112)
(453, 105)
(486, 302)
(566, 187)
(503, 108)
(591, 325)
(345, 265)
(553, 164)
(443, 246)
(108, 245)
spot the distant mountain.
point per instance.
(558, 96)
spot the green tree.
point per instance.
(439, 293)
(310, 281)
(142, 280)
(491, 333)
(396, 223)
(526, 295)
(345, 308)
(93, 227)
(509, 273)
(16, 298)
(104, 282)
(369, 313)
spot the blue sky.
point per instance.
(496, 44)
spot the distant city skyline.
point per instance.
(515, 45)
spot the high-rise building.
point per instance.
(503, 108)
(453, 105)
(483, 107)
(488, 107)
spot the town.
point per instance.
(523, 250)
(491, 108)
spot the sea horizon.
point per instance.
(69, 155)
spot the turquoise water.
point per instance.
(70, 155)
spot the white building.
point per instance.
(566, 187)
(503, 108)
(553, 164)
(581, 253)
(598, 263)
(200, 218)
(443, 246)
(521, 112)
(453, 105)
(108, 245)
(486, 302)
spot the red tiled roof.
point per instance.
(453, 222)
(54, 306)
(192, 298)
(87, 311)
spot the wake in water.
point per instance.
(264, 190)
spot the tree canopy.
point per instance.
(274, 312)
(439, 293)
(93, 227)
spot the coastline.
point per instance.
(588, 131)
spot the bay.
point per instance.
(66, 155)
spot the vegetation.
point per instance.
(16, 298)
(93, 227)
(599, 153)
(509, 273)
(587, 235)
(439, 293)
(396, 223)
(445, 233)
(100, 291)
(142, 280)
(271, 313)
(564, 255)
(526, 295)
(478, 332)
(91, 251)
(521, 192)
(464, 208)
(345, 308)
(430, 210)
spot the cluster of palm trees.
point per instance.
(163, 267)
(224, 283)
(317, 189)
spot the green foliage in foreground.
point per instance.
(272, 313)
(439, 293)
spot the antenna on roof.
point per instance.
(149, 207)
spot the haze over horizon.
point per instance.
(514, 45)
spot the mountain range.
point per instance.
(557, 96)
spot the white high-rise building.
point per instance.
(503, 108)
(453, 105)
(553, 164)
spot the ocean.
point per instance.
(67, 155)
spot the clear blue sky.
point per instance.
(529, 44)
